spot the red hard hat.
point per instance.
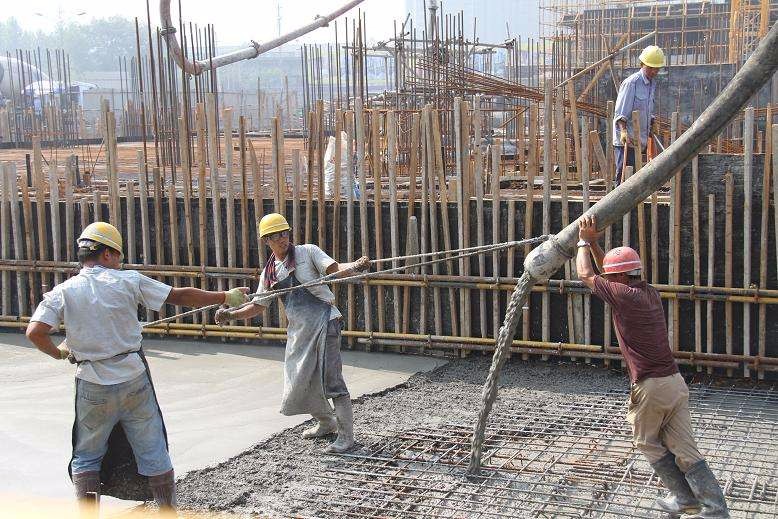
(621, 259)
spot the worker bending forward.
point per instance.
(119, 438)
(313, 372)
(659, 398)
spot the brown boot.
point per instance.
(87, 485)
(163, 488)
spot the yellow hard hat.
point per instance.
(653, 56)
(103, 232)
(271, 223)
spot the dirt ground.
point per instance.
(276, 477)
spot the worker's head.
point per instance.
(274, 231)
(100, 244)
(622, 265)
(652, 59)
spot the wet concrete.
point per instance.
(219, 399)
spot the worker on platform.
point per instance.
(119, 439)
(636, 93)
(659, 398)
(312, 363)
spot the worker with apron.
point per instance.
(313, 372)
(119, 439)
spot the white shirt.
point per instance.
(99, 307)
(311, 263)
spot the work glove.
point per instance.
(64, 352)
(623, 137)
(362, 264)
(654, 129)
(236, 296)
(222, 316)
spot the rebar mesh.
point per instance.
(572, 459)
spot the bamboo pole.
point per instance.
(748, 161)
(258, 212)
(56, 245)
(529, 208)
(186, 166)
(5, 238)
(29, 231)
(412, 173)
(70, 223)
(559, 120)
(375, 164)
(709, 337)
(729, 185)
(438, 165)
(360, 135)
(144, 216)
(296, 196)
(173, 227)
(586, 202)
(496, 224)
(38, 184)
(213, 161)
(640, 207)
(320, 202)
(548, 116)
(312, 123)
(696, 251)
(350, 219)
(230, 190)
(429, 171)
(131, 249)
(391, 160)
(336, 158)
(479, 199)
(764, 235)
(16, 224)
(202, 191)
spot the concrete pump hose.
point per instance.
(547, 258)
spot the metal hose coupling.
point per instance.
(547, 258)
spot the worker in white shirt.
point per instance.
(119, 438)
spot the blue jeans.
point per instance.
(99, 408)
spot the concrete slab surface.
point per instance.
(218, 400)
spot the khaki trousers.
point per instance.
(659, 415)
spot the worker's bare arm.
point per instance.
(247, 312)
(195, 297)
(40, 335)
(597, 253)
(345, 269)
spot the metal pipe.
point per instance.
(197, 67)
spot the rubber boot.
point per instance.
(345, 415)
(325, 424)
(163, 488)
(681, 499)
(707, 491)
(87, 485)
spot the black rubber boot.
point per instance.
(163, 488)
(681, 499)
(87, 486)
(707, 491)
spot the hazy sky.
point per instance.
(236, 21)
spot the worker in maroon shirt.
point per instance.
(659, 399)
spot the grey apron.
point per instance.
(306, 336)
(118, 470)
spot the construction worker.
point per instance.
(312, 363)
(636, 93)
(659, 398)
(119, 438)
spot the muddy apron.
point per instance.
(118, 471)
(306, 335)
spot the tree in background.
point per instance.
(95, 46)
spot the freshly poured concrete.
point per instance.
(218, 399)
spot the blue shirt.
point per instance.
(635, 93)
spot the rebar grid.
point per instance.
(569, 458)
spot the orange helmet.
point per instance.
(621, 259)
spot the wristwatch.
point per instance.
(582, 243)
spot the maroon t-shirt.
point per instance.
(640, 327)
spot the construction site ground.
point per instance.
(218, 398)
(557, 446)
